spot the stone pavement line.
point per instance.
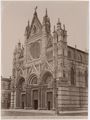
(44, 111)
(39, 111)
(45, 117)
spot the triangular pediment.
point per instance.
(36, 26)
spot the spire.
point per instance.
(46, 13)
(15, 50)
(19, 44)
(63, 26)
(35, 13)
(58, 24)
(64, 31)
(54, 32)
(27, 30)
(35, 8)
(45, 18)
(46, 23)
(28, 22)
(58, 21)
(22, 47)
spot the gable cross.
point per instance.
(35, 8)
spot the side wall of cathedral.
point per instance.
(73, 90)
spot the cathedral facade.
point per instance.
(48, 74)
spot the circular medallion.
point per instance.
(35, 50)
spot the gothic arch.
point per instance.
(33, 79)
(69, 54)
(20, 78)
(30, 71)
(80, 57)
(79, 74)
(72, 76)
(21, 83)
(46, 77)
(20, 72)
(86, 77)
(44, 72)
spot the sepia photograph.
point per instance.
(44, 59)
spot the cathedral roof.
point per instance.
(77, 49)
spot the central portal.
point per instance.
(35, 99)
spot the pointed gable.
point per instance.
(35, 25)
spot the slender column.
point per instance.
(12, 99)
(15, 99)
(32, 98)
(45, 99)
(25, 100)
(53, 100)
(39, 98)
(18, 99)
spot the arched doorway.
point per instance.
(33, 82)
(21, 95)
(35, 99)
(47, 80)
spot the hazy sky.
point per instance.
(16, 14)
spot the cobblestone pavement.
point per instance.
(39, 114)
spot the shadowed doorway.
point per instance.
(49, 100)
(35, 99)
(23, 101)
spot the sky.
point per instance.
(15, 16)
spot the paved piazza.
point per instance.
(38, 114)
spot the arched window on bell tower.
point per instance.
(72, 76)
(86, 78)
